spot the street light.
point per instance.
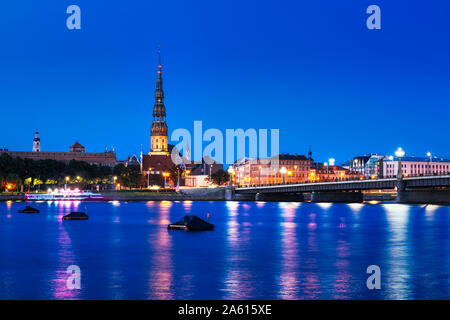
(429, 165)
(230, 172)
(283, 171)
(148, 177)
(114, 183)
(259, 176)
(67, 180)
(165, 175)
(399, 153)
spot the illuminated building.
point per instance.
(260, 172)
(369, 166)
(416, 166)
(76, 152)
(324, 172)
(198, 173)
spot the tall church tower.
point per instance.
(159, 137)
(36, 143)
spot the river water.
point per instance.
(257, 251)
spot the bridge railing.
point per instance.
(406, 177)
(348, 179)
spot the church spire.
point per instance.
(159, 135)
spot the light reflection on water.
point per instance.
(258, 250)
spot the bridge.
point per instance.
(426, 189)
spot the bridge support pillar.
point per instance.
(279, 197)
(347, 197)
(229, 194)
(424, 196)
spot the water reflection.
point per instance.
(260, 250)
(430, 211)
(398, 264)
(289, 274)
(65, 258)
(234, 278)
(160, 284)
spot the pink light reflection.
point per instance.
(160, 282)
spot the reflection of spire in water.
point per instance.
(160, 285)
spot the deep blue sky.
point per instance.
(310, 68)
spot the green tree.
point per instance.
(219, 177)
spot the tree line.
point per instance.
(17, 174)
(24, 175)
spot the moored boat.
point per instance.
(64, 195)
(29, 209)
(191, 223)
(76, 216)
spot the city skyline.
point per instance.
(331, 84)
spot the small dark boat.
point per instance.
(191, 223)
(29, 209)
(76, 216)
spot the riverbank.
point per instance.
(200, 194)
(223, 194)
(197, 194)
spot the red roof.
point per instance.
(157, 162)
(77, 145)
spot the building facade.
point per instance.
(369, 166)
(76, 152)
(197, 174)
(263, 172)
(323, 172)
(416, 166)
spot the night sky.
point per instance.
(310, 68)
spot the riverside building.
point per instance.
(416, 166)
(76, 152)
